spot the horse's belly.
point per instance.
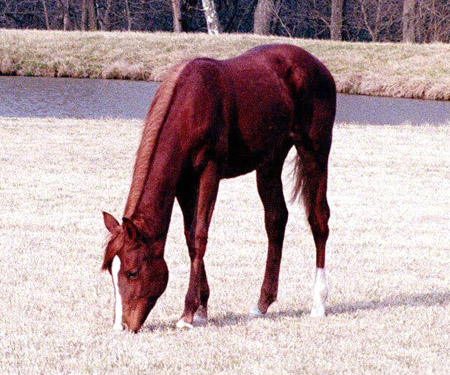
(245, 155)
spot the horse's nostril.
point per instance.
(124, 327)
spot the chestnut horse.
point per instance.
(220, 119)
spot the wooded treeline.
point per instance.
(353, 20)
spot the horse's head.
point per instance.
(139, 276)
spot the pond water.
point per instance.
(90, 98)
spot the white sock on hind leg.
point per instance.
(320, 293)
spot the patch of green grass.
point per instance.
(388, 69)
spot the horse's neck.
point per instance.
(153, 209)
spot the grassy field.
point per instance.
(387, 69)
(389, 302)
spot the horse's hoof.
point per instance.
(181, 324)
(200, 321)
(201, 317)
(255, 312)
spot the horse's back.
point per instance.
(283, 66)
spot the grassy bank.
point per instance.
(398, 70)
(389, 303)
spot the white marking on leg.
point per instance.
(181, 324)
(115, 268)
(255, 312)
(320, 293)
(200, 317)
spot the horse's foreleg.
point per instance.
(195, 310)
(270, 190)
(187, 199)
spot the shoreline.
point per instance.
(416, 71)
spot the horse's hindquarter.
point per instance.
(265, 112)
(248, 110)
(284, 95)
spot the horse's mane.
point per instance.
(153, 124)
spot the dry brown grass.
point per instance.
(387, 69)
(389, 304)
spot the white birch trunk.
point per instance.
(212, 20)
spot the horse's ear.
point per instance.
(110, 222)
(130, 229)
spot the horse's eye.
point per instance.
(132, 275)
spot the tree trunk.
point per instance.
(128, 15)
(67, 25)
(106, 19)
(336, 19)
(212, 19)
(176, 7)
(83, 15)
(47, 23)
(408, 21)
(262, 17)
(92, 15)
(372, 27)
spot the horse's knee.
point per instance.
(277, 219)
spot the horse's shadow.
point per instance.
(423, 299)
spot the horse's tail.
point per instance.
(311, 161)
(310, 168)
(301, 186)
(154, 121)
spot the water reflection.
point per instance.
(90, 98)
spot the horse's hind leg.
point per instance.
(270, 190)
(313, 175)
(318, 219)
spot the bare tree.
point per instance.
(106, 19)
(212, 19)
(91, 15)
(65, 7)
(67, 21)
(128, 15)
(371, 12)
(263, 16)
(379, 18)
(176, 7)
(432, 21)
(336, 19)
(83, 22)
(408, 20)
(47, 22)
